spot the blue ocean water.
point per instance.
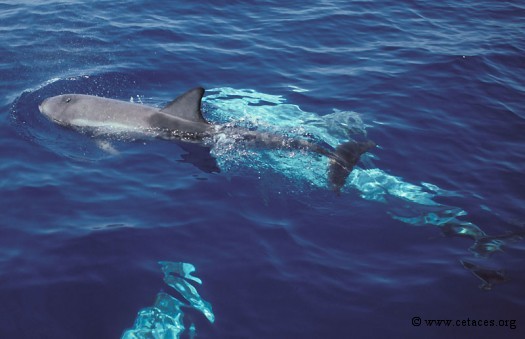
(100, 234)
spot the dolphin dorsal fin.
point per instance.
(187, 106)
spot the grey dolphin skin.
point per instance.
(182, 120)
(489, 277)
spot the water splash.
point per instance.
(408, 202)
(270, 113)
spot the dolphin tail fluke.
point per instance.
(343, 160)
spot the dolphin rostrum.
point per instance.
(182, 120)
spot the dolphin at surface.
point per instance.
(182, 120)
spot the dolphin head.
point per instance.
(62, 108)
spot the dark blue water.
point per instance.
(86, 218)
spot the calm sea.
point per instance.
(121, 236)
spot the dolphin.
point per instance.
(488, 276)
(182, 120)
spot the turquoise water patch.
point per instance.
(165, 319)
(271, 113)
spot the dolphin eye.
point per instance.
(68, 99)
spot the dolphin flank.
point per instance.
(182, 120)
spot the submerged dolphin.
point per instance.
(488, 276)
(182, 120)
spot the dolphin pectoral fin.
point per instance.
(200, 157)
(343, 160)
(187, 106)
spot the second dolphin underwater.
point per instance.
(182, 120)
